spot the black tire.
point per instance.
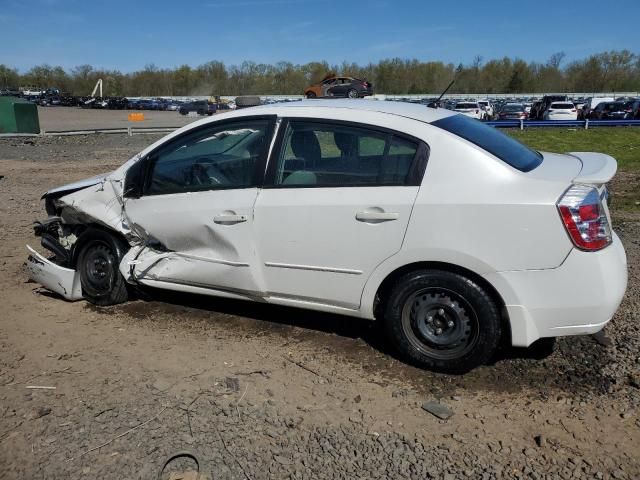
(352, 93)
(98, 260)
(442, 321)
(311, 95)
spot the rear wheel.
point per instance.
(98, 262)
(442, 321)
(352, 93)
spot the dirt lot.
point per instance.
(260, 392)
(66, 118)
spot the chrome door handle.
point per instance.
(376, 217)
(229, 219)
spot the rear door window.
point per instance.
(319, 154)
(492, 140)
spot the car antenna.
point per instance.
(437, 102)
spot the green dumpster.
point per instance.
(18, 116)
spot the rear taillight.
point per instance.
(584, 218)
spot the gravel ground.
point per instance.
(257, 392)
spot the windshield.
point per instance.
(492, 140)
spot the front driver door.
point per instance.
(196, 203)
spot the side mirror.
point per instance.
(134, 179)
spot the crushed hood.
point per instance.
(75, 186)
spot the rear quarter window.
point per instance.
(492, 140)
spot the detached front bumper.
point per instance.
(60, 280)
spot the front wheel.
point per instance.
(442, 321)
(311, 95)
(98, 262)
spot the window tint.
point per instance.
(466, 105)
(492, 140)
(215, 158)
(563, 106)
(332, 155)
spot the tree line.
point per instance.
(601, 72)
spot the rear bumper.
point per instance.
(60, 280)
(577, 298)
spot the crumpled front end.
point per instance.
(73, 211)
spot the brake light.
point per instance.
(584, 218)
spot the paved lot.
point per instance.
(259, 392)
(70, 118)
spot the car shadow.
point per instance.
(542, 366)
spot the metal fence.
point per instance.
(586, 124)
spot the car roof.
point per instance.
(413, 111)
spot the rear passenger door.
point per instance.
(336, 203)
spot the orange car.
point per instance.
(335, 86)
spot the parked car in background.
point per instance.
(173, 105)
(561, 111)
(591, 104)
(201, 107)
(117, 103)
(49, 101)
(10, 92)
(538, 108)
(488, 108)
(497, 243)
(469, 109)
(632, 109)
(512, 111)
(30, 91)
(609, 111)
(335, 86)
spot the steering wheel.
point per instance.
(203, 172)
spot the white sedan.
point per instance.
(452, 234)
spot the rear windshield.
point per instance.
(565, 106)
(466, 105)
(513, 108)
(492, 140)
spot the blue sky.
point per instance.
(127, 35)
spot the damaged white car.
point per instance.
(451, 233)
